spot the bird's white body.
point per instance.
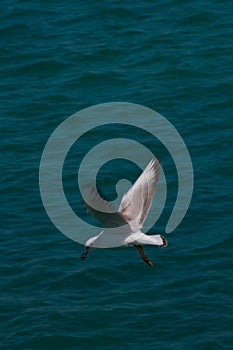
(106, 240)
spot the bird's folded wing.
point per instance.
(102, 210)
(137, 201)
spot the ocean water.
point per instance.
(59, 57)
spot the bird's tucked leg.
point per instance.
(84, 254)
(143, 256)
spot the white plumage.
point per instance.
(123, 227)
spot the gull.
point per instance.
(123, 227)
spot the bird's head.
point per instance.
(90, 242)
(88, 246)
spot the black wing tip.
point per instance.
(165, 242)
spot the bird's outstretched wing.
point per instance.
(102, 210)
(137, 201)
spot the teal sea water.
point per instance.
(57, 58)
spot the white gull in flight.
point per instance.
(124, 226)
